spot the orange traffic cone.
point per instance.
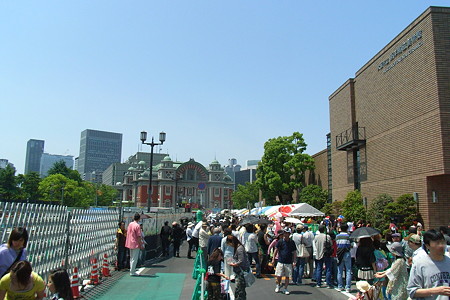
(94, 273)
(105, 269)
(75, 283)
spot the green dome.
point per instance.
(131, 169)
(215, 162)
(141, 162)
(167, 158)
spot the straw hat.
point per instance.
(363, 286)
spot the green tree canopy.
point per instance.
(29, 184)
(403, 210)
(314, 196)
(376, 214)
(58, 189)
(353, 208)
(282, 167)
(245, 193)
(60, 167)
(8, 183)
(332, 209)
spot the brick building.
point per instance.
(175, 184)
(390, 124)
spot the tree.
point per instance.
(376, 213)
(245, 193)
(332, 209)
(282, 167)
(314, 196)
(353, 208)
(8, 183)
(58, 189)
(29, 186)
(403, 210)
(60, 167)
(106, 195)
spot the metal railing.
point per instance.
(59, 237)
(351, 135)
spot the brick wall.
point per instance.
(404, 106)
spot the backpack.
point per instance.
(328, 251)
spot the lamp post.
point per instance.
(162, 139)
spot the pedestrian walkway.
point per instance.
(161, 278)
(170, 278)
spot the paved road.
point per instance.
(171, 279)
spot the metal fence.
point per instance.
(59, 237)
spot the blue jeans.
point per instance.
(121, 258)
(319, 267)
(347, 263)
(298, 271)
(255, 256)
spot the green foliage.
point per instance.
(403, 210)
(8, 183)
(29, 184)
(332, 209)
(282, 167)
(353, 208)
(245, 193)
(314, 196)
(376, 214)
(60, 167)
(58, 189)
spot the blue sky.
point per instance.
(219, 77)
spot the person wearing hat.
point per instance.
(189, 239)
(203, 238)
(429, 278)
(415, 243)
(299, 269)
(308, 239)
(287, 254)
(397, 274)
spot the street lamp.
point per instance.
(162, 139)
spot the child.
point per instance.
(59, 285)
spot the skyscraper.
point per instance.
(98, 150)
(48, 160)
(35, 148)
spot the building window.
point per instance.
(330, 177)
(168, 190)
(225, 192)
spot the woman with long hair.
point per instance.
(214, 274)
(365, 259)
(240, 263)
(14, 250)
(22, 283)
(59, 285)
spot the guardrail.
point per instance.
(63, 237)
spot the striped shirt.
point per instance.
(343, 240)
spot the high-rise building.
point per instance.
(98, 150)
(35, 148)
(48, 160)
(4, 163)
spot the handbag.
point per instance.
(302, 251)
(249, 278)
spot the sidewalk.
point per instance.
(168, 278)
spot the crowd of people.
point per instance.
(18, 281)
(416, 266)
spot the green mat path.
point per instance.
(164, 286)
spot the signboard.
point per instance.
(201, 186)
